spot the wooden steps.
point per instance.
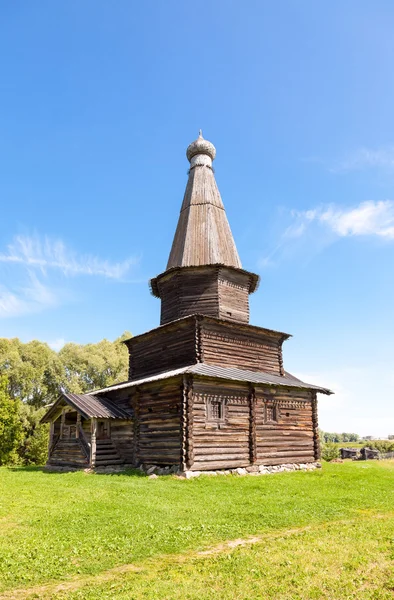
(68, 453)
(107, 454)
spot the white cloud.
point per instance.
(312, 230)
(368, 218)
(44, 253)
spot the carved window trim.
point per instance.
(271, 412)
(216, 408)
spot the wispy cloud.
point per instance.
(45, 253)
(30, 298)
(323, 225)
(31, 269)
(368, 218)
(366, 158)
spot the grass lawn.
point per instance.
(326, 534)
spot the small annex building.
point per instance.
(206, 389)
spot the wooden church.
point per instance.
(206, 389)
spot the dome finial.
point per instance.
(201, 146)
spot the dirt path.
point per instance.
(48, 590)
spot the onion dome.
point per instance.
(201, 146)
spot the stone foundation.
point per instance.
(153, 471)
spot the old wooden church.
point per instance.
(206, 389)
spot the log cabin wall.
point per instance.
(166, 348)
(233, 289)
(220, 440)
(122, 434)
(284, 426)
(86, 426)
(188, 292)
(262, 426)
(230, 345)
(157, 409)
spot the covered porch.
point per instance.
(87, 431)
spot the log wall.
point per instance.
(220, 445)
(213, 291)
(122, 438)
(233, 288)
(188, 293)
(158, 415)
(162, 349)
(288, 435)
(227, 345)
(259, 427)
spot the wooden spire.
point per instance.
(203, 235)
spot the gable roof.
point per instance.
(89, 406)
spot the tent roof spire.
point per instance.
(203, 235)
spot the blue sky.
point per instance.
(98, 102)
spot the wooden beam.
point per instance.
(93, 442)
(252, 425)
(316, 440)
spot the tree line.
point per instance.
(31, 377)
(338, 437)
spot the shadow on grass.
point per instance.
(54, 471)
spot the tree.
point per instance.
(11, 430)
(33, 370)
(32, 375)
(93, 366)
(34, 450)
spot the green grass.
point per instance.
(75, 527)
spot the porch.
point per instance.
(87, 432)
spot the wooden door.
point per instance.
(103, 430)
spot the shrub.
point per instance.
(329, 451)
(381, 445)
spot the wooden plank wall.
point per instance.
(158, 440)
(291, 438)
(163, 349)
(231, 346)
(221, 446)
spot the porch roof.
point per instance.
(89, 406)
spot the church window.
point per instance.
(271, 413)
(215, 410)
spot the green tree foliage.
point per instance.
(94, 366)
(382, 445)
(33, 370)
(339, 437)
(31, 376)
(34, 449)
(11, 430)
(329, 451)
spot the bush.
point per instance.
(329, 451)
(381, 445)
